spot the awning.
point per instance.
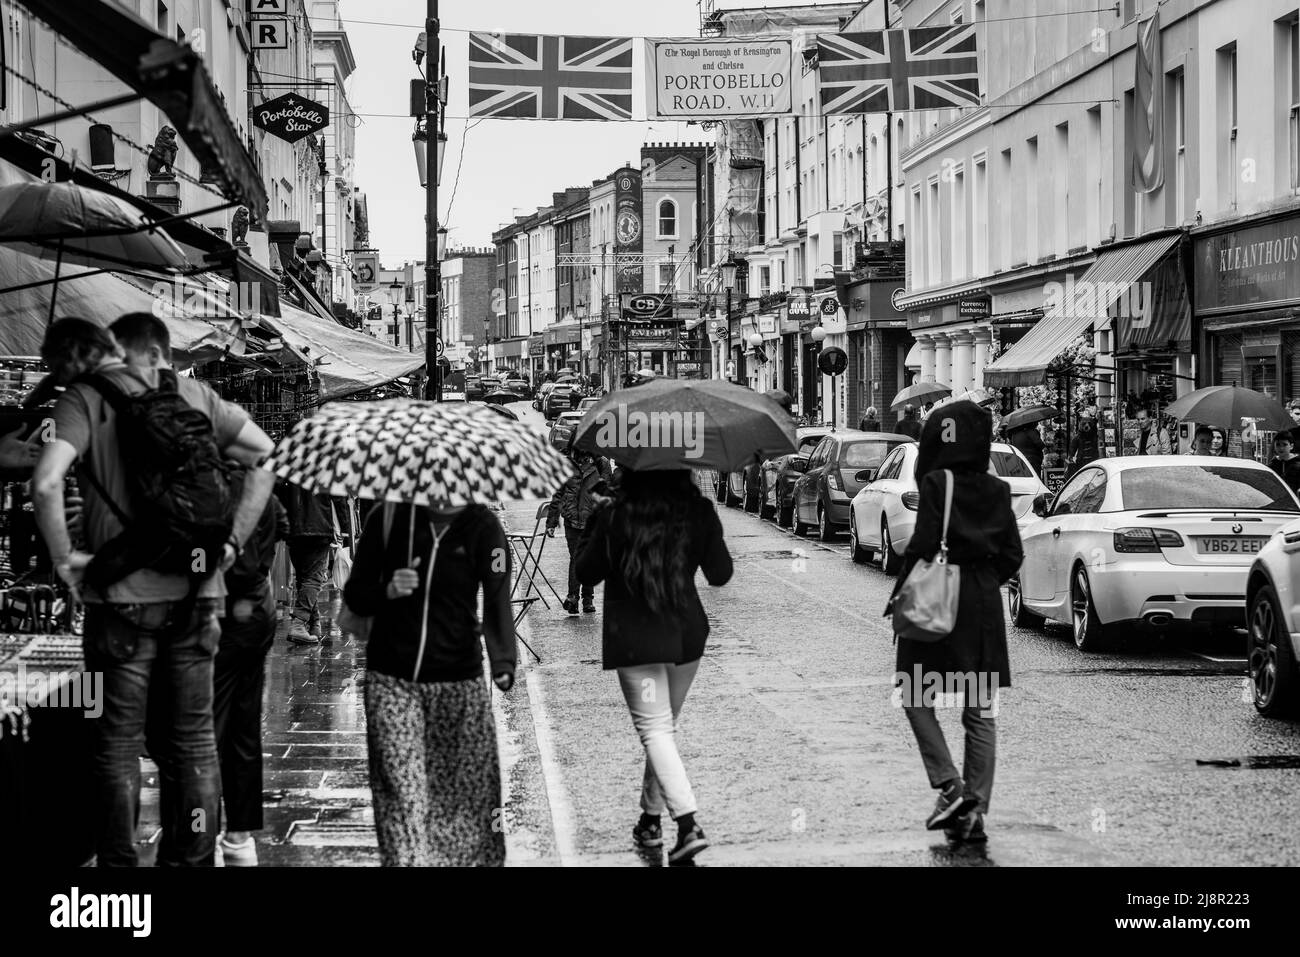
(913, 360)
(312, 300)
(201, 245)
(353, 361)
(1026, 362)
(172, 77)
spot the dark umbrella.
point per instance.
(502, 410)
(926, 390)
(1225, 406)
(686, 423)
(1029, 415)
(502, 397)
(781, 398)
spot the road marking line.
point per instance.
(561, 812)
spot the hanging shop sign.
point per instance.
(269, 34)
(975, 307)
(700, 79)
(627, 229)
(652, 336)
(366, 267)
(291, 117)
(646, 305)
(258, 7)
(767, 324)
(798, 304)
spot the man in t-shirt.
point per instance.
(132, 633)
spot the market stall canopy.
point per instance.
(353, 361)
(172, 77)
(1083, 303)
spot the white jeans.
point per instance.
(654, 695)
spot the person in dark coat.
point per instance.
(1084, 447)
(239, 673)
(312, 525)
(984, 542)
(1285, 461)
(646, 548)
(574, 502)
(1029, 443)
(434, 766)
(909, 424)
(870, 422)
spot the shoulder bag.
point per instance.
(925, 608)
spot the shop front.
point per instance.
(563, 345)
(878, 346)
(955, 336)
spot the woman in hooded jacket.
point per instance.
(984, 542)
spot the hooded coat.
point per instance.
(1030, 444)
(982, 539)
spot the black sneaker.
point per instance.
(689, 843)
(571, 605)
(649, 836)
(589, 607)
(953, 802)
(967, 829)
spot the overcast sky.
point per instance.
(509, 165)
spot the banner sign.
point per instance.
(1253, 267)
(647, 305)
(926, 68)
(291, 117)
(535, 77)
(627, 229)
(700, 79)
(657, 336)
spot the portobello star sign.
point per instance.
(291, 117)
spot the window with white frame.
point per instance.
(980, 219)
(934, 268)
(667, 219)
(1178, 89)
(764, 280)
(1293, 87)
(667, 277)
(837, 259)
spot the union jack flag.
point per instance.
(922, 69)
(536, 77)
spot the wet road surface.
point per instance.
(797, 754)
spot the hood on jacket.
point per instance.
(956, 436)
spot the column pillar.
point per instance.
(962, 364)
(983, 336)
(927, 355)
(943, 359)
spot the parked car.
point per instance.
(778, 477)
(743, 487)
(1157, 539)
(883, 514)
(562, 429)
(835, 472)
(559, 399)
(543, 391)
(590, 402)
(1273, 624)
(517, 384)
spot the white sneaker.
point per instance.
(238, 855)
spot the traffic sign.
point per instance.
(438, 347)
(833, 361)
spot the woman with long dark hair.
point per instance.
(984, 542)
(646, 547)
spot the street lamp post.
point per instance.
(728, 272)
(435, 93)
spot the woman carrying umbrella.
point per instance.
(646, 547)
(984, 542)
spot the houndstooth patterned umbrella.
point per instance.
(425, 453)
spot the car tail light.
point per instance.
(1141, 539)
(833, 480)
(911, 500)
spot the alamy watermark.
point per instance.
(23, 690)
(178, 298)
(1130, 300)
(623, 428)
(946, 689)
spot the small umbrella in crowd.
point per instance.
(423, 453)
(686, 423)
(1224, 406)
(503, 397)
(1029, 415)
(926, 390)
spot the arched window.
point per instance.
(667, 219)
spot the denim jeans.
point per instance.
(157, 695)
(981, 751)
(655, 694)
(311, 565)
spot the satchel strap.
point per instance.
(947, 514)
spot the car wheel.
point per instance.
(825, 530)
(801, 527)
(751, 499)
(860, 555)
(730, 500)
(1089, 633)
(720, 490)
(765, 510)
(890, 561)
(1271, 663)
(785, 516)
(1021, 617)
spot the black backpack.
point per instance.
(182, 492)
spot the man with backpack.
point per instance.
(162, 522)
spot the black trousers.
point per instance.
(575, 538)
(247, 632)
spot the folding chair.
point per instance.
(528, 551)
